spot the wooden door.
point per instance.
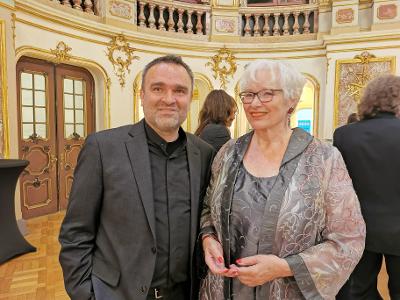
(37, 137)
(75, 121)
(55, 115)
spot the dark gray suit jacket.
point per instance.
(371, 151)
(108, 234)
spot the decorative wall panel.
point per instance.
(352, 75)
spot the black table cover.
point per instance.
(12, 243)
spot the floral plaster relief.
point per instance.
(387, 11)
(345, 15)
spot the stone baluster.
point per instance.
(256, 25)
(286, 24)
(77, 4)
(88, 6)
(265, 30)
(189, 24)
(180, 21)
(152, 20)
(171, 23)
(306, 25)
(296, 22)
(199, 26)
(247, 28)
(142, 17)
(161, 20)
(276, 24)
(66, 3)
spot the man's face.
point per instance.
(166, 96)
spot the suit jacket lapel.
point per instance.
(138, 152)
(194, 162)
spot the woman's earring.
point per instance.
(290, 110)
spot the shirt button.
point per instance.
(143, 289)
(154, 250)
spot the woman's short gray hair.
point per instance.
(291, 80)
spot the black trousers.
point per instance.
(180, 291)
(362, 284)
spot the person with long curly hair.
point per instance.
(371, 151)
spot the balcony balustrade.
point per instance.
(279, 20)
(267, 20)
(174, 16)
(87, 6)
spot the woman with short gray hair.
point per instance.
(281, 219)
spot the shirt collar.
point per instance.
(168, 147)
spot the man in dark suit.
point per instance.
(371, 150)
(132, 222)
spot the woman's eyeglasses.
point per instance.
(263, 95)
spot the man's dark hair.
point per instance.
(168, 59)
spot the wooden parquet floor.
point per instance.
(38, 276)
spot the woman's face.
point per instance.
(267, 115)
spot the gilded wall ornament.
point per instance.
(121, 56)
(352, 76)
(61, 52)
(223, 65)
(13, 19)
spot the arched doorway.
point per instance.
(55, 114)
(306, 114)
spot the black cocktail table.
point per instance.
(12, 243)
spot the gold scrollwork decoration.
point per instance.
(13, 19)
(61, 52)
(360, 77)
(120, 54)
(223, 64)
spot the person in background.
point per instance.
(371, 151)
(281, 219)
(131, 225)
(215, 118)
(352, 118)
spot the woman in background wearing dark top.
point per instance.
(215, 118)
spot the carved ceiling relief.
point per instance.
(120, 54)
(223, 65)
(351, 78)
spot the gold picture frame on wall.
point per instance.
(4, 143)
(351, 77)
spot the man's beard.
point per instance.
(168, 123)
